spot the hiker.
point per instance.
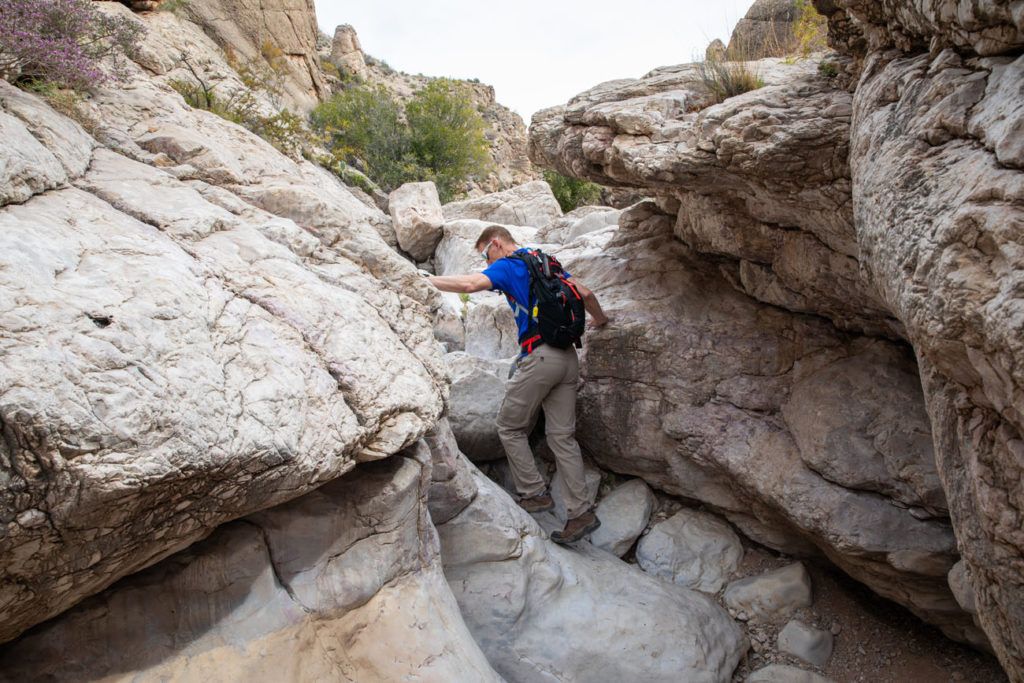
(545, 374)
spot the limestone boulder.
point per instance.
(524, 599)
(810, 644)
(477, 390)
(624, 514)
(198, 328)
(452, 487)
(530, 205)
(765, 31)
(347, 52)
(581, 221)
(762, 178)
(416, 214)
(267, 598)
(491, 330)
(693, 549)
(770, 596)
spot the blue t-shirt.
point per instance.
(511, 277)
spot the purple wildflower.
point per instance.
(61, 41)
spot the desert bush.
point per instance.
(447, 136)
(572, 193)
(439, 136)
(283, 129)
(363, 126)
(725, 79)
(811, 29)
(64, 42)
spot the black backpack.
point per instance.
(557, 315)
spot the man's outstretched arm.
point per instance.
(461, 284)
(593, 306)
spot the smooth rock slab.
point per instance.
(478, 388)
(416, 212)
(624, 514)
(810, 644)
(544, 613)
(693, 549)
(770, 596)
(782, 673)
(531, 204)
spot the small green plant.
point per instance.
(464, 298)
(727, 79)
(828, 69)
(572, 193)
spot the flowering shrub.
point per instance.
(61, 41)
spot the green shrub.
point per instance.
(439, 136)
(447, 136)
(811, 29)
(572, 193)
(364, 127)
(828, 69)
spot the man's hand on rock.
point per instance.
(596, 323)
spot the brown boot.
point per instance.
(538, 503)
(576, 528)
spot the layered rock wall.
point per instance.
(892, 213)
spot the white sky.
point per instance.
(536, 53)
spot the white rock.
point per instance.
(691, 548)
(581, 221)
(545, 613)
(624, 514)
(268, 597)
(960, 583)
(531, 204)
(812, 645)
(491, 330)
(477, 390)
(783, 673)
(773, 595)
(416, 213)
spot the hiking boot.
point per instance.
(576, 528)
(539, 503)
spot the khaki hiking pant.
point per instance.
(547, 377)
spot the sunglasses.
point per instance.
(486, 250)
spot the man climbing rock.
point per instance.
(545, 374)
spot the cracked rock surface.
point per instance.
(320, 588)
(194, 327)
(709, 394)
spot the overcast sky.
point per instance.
(536, 53)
